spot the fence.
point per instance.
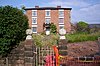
(81, 61)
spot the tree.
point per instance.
(13, 25)
(82, 26)
(23, 7)
(53, 28)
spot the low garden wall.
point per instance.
(22, 55)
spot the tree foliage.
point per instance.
(53, 28)
(13, 24)
(82, 26)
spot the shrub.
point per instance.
(82, 26)
(79, 37)
(53, 28)
(13, 25)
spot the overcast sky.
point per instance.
(82, 10)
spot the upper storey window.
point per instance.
(47, 12)
(61, 21)
(34, 12)
(34, 20)
(61, 13)
(47, 20)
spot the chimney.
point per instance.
(36, 6)
(58, 6)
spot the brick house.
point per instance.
(40, 18)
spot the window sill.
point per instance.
(61, 17)
(61, 23)
(34, 32)
(34, 23)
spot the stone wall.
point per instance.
(22, 55)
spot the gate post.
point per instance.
(29, 49)
(62, 45)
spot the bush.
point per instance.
(82, 26)
(53, 28)
(13, 25)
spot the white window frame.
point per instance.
(60, 15)
(61, 10)
(32, 13)
(34, 26)
(47, 18)
(34, 18)
(63, 20)
(46, 13)
(61, 26)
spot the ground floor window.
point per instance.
(61, 26)
(34, 29)
(48, 29)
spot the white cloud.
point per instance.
(69, 3)
(90, 14)
(77, 3)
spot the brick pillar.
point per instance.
(29, 52)
(62, 46)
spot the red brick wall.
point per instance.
(54, 18)
(67, 20)
(40, 20)
(29, 15)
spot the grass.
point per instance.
(79, 37)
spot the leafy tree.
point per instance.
(53, 28)
(22, 7)
(13, 24)
(82, 26)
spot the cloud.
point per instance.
(90, 14)
(69, 3)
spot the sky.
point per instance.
(82, 10)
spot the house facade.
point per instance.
(40, 18)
